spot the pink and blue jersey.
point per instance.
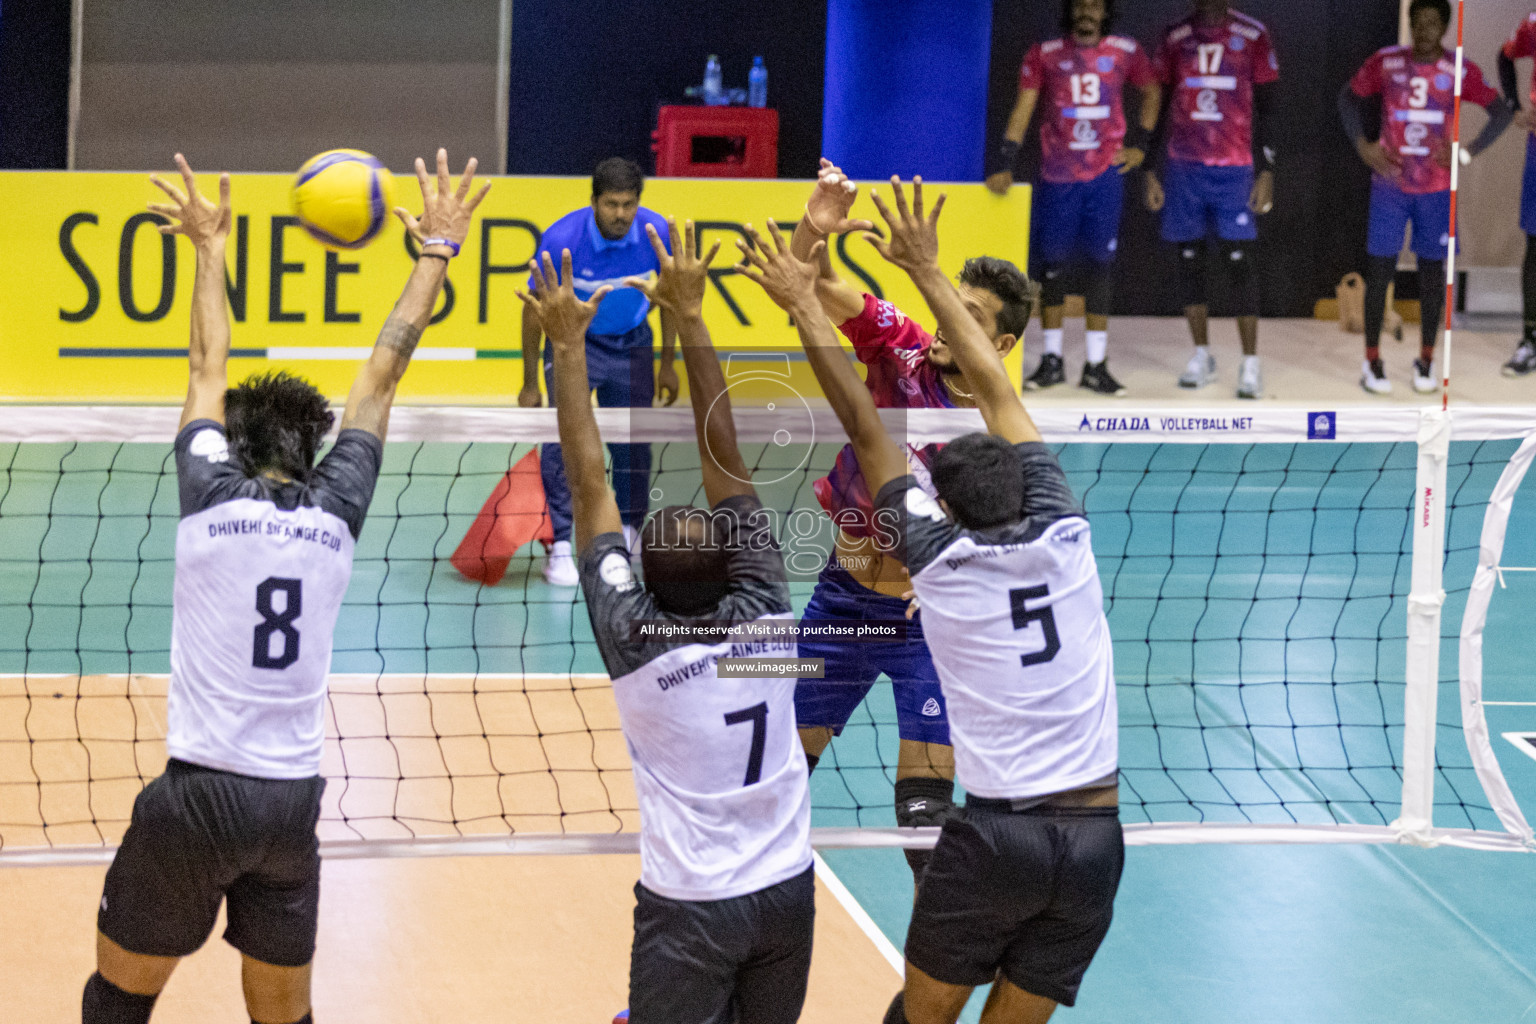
(1523, 44)
(899, 376)
(1418, 101)
(1211, 70)
(1082, 92)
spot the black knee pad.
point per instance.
(105, 1003)
(1053, 286)
(1242, 278)
(1099, 293)
(923, 803)
(896, 1013)
(1192, 274)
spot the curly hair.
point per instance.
(276, 421)
(1068, 22)
(1009, 284)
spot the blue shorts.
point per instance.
(1205, 200)
(1392, 210)
(1079, 218)
(1528, 192)
(852, 668)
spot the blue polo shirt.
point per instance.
(596, 261)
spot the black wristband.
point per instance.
(434, 256)
(1009, 151)
(1137, 137)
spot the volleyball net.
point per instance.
(1287, 668)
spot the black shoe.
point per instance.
(1522, 362)
(1048, 374)
(1097, 378)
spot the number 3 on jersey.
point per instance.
(277, 622)
(1023, 616)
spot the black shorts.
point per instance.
(718, 961)
(1027, 893)
(199, 835)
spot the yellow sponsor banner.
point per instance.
(95, 306)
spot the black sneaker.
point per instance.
(1522, 362)
(1097, 378)
(1048, 374)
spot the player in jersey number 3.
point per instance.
(263, 557)
(1020, 890)
(725, 902)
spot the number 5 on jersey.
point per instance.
(277, 623)
(1023, 617)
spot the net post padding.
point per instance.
(1415, 822)
(1474, 722)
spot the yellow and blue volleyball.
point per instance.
(342, 197)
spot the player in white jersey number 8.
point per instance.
(725, 902)
(1020, 890)
(263, 556)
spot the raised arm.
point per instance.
(791, 283)
(914, 247)
(207, 227)
(679, 290)
(444, 224)
(564, 319)
(826, 214)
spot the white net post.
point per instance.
(1426, 595)
(1474, 722)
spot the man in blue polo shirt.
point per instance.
(607, 243)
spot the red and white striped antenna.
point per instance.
(1450, 259)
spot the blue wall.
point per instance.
(906, 88)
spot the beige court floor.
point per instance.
(1304, 361)
(439, 940)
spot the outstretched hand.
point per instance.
(827, 210)
(680, 284)
(446, 211)
(194, 214)
(561, 314)
(788, 281)
(914, 243)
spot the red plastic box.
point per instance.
(716, 142)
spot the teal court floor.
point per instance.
(1257, 596)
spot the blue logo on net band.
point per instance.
(1322, 426)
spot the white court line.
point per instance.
(1525, 742)
(860, 915)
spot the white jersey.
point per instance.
(725, 808)
(1014, 618)
(261, 570)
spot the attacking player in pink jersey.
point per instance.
(1523, 44)
(1220, 69)
(1086, 148)
(906, 368)
(1412, 183)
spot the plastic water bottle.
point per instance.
(757, 84)
(714, 92)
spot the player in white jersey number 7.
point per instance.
(263, 556)
(1020, 890)
(725, 902)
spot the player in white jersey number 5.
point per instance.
(725, 902)
(1020, 889)
(263, 556)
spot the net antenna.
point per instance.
(1450, 260)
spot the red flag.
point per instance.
(512, 516)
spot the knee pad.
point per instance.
(923, 803)
(896, 1013)
(1192, 274)
(105, 1003)
(1099, 293)
(1242, 280)
(1053, 286)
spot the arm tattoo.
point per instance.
(399, 336)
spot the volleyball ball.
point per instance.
(342, 197)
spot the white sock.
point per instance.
(1053, 341)
(1097, 343)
